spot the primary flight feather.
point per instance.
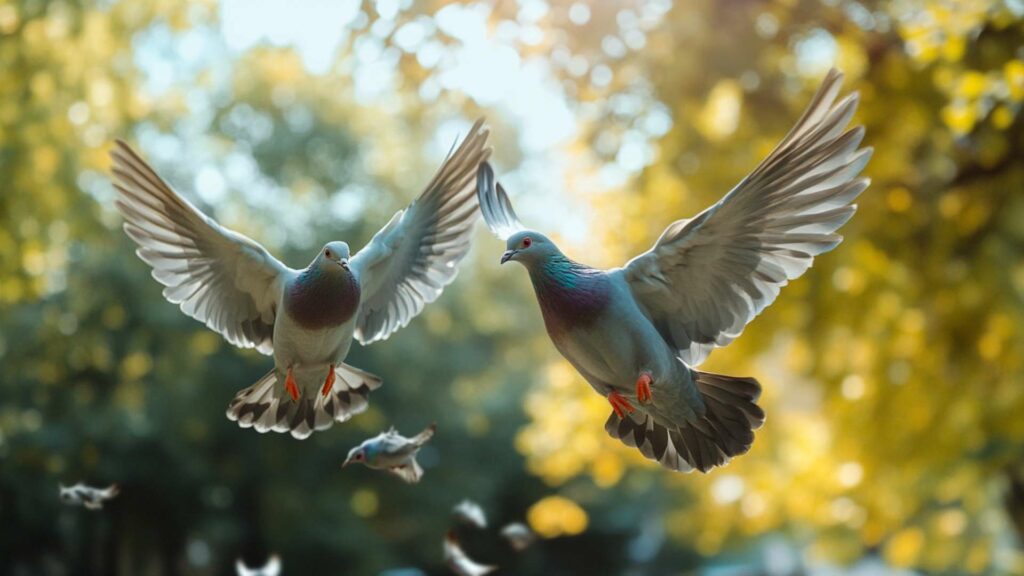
(305, 318)
(637, 333)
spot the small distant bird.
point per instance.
(518, 536)
(83, 495)
(392, 452)
(305, 318)
(636, 333)
(271, 568)
(457, 560)
(469, 512)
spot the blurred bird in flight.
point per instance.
(518, 536)
(305, 318)
(271, 568)
(637, 333)
(392, 452)
(459, 562)
(83, 495)
(469, 512)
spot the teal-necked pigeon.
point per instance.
(636, 333)
(392, 452)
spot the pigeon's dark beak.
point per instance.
(508, 255)
(344, 263)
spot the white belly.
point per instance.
(295, 346)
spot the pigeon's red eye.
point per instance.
(327, 252)
(526, 242)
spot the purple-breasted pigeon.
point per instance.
(636, 333)
(305, 318)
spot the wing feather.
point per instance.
(217, 276)
(409, 261)
(495, 205)
(707, 277)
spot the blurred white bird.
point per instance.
(305, 318)
(271, 568)
(457, 560)
(83, 495)
(518, 536)
(392, 452)
(637, 333)
(469, 512)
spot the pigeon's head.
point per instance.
(360, 454)
(333, 256)
(528, 247)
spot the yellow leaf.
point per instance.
(557, 516)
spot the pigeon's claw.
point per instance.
(329, 382)
(643, 387)
(620, 404)
(291, 386)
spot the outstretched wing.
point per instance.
(410, 261)
(495, 205)
(215, 275)
(707, 277)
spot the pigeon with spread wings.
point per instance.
(305, 318)
(637, 333)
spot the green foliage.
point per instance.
(892, 370)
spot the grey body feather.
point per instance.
(698, 287)
(237, 288)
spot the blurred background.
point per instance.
(893, 370)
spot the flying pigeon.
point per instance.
(469, 512)
(271, 568)
(83, 495)
(392, 452)
(518, 536)
(305, 318)
(457, 560)
(637, 333)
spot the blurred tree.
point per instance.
(892, 369)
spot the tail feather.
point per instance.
(423, 437)
(266, 406)
(726, 429)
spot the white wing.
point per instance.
(410, 261)
(459, 562)
(707, 277)
(215, 275)
(495, 205)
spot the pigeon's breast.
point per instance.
(571, 303)
(322, 300)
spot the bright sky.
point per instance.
(484, 67)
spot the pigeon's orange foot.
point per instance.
(329, 382)
(620, 404)
(643, 387)
(290, 386)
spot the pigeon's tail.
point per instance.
(428, 433)
(726, 428)
(267, 405)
